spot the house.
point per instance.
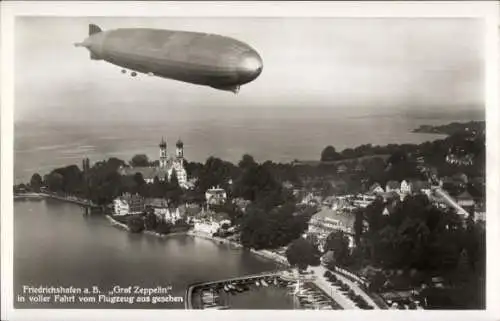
(405, 187)
(342, 168)
(128, 204)
(465, 200)
(376, 189)
(215, 196)
(206, 227)
(326, 221)
(363, 200)
(159, 207)
(392, 186)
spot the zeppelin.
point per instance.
(198, 58)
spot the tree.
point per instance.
(257, 182)
(330, 154)
(302, 253)
(246, 162)
(135, 224)
(139, 180)
(164, 228)
(139, 160)
(174, 190)
(263, 228)
(36, 182)
(338, 242)
(358, 225)
(54, 181)
(150, 221)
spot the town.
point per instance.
(404, 224)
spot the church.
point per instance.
(167, 165)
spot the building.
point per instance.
(167, 166)
(376, 189)
(342, 168)
(405, 187)
(465, 160)
(128, 204)
(363, 200)
(162, 210)
(465, 200)
(206, 227)
(392, 186)
(215, 196)
(326, 221)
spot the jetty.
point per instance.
(211, 284)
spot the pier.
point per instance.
(212, 284)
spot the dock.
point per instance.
(210, 284)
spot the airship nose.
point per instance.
(250, 66)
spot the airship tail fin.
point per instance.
(94, 29)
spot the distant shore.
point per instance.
(451, 128)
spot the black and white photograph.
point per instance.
(246, 162)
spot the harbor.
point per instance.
(220, 295)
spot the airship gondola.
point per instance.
(204, 59)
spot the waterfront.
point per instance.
(55, 245)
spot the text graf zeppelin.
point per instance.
(132, 294)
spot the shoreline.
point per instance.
(114, 222)
(276, 258)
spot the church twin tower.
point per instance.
(179, 153)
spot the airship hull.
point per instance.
(204, 59)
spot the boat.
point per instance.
(257, 283)
(264, 283)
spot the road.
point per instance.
(334, 291)
(450, 201)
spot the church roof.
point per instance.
(179, 143)
(163, 143)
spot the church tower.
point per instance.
(163, 153)
(179, 151)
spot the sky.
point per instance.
(349, 64)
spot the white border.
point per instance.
(488, 10)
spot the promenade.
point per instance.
(337, 295)
(70, 199)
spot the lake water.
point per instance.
(267, 134)
(56, 245)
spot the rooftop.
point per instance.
(346, 219)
